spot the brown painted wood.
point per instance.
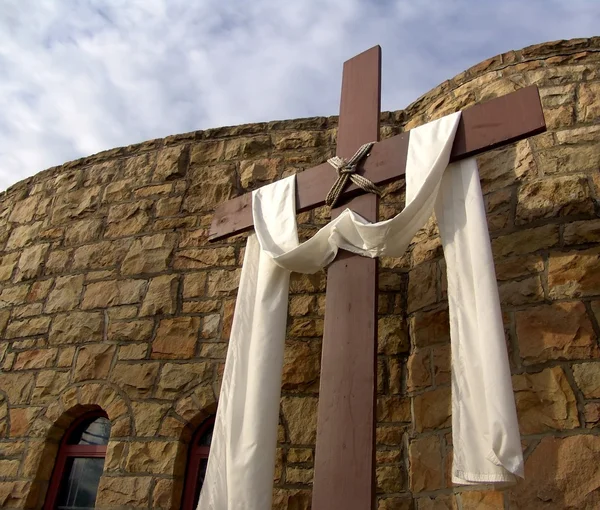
(483, 127)
(344, 475)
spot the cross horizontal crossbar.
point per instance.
(482, 127)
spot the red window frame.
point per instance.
(65, 451)
(196, 454)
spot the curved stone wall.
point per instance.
(111, 297)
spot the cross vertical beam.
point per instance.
(345, 451)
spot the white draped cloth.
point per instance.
(486, 440)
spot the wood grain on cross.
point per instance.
(345, 449)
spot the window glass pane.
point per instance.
(206, 438)
(80, 483)
(94, 432)
(201, 475)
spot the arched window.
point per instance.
(79, 464)
(196, 466)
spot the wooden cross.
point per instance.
(345, 448)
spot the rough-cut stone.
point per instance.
(525, 241)
(30, 263)
(425, 458)
(128, 219)
(100, 255)
(254, 173)
(23, 235)
(203, 258)
(389, 479)
(557, 331)
(76, 327)
(66, 294)
(291, 499)
(422, 286)
(93, 362)
(113, 293)
(588, 109)
(24, 210)
(137, 379)
(476, 500)
(560, 473)
(176, 338)
(560, 159)
(48, 385)
(161, 297)
(519, 292)
(580, 232)
(574, 274)
(17, 386)
(428, 328)
(7, 265)
(518, 267)
(223, 282)
(75, 204)
(150, 254)
(175, 379)
(130, 331)
(553, 197)
(395, 503)
(36, 358)
(393, 409)
(419, 370)
(305, 328)
(432, 409)
(587, 377)
(392, 335)
(502, 167)
(83, 231)
(545, 401)
(300, 414)
(28, 327)
(123, 491)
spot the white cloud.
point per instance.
(80, 76)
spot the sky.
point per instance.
(81, 76)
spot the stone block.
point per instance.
(83, 231)
(123, 491)
(545, 401)
(161, 297)
(525, 241)
(393, 409)
(24, 210)
(130, 331)
(176, 379)
(429, 328)
(30, 262)
(554, 197)
(560, 474)
(300, 414)
(418, 367)
(176, 338)
(574, 274)
(113, 293)
(93, 362)
(580, 232)
(204, 258)
(587, 377)
(557, 331)
(100, 255)
(27, 327)
(65, 295)
(422, 286)
(425, 458)
(136, 379)
(588, 106)
(392, 335)
(149, 254)
(75, 204)
(432, 409)
(128, 218)
(35, 358)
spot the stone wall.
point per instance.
(111, 296)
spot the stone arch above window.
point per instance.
(196, 464)
(79, 463)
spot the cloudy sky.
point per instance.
(81, 76)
